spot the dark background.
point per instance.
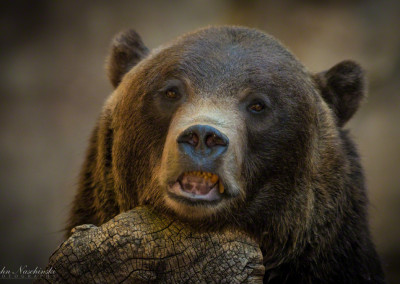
(53, 84)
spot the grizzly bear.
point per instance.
(225, 127)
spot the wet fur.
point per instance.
(304, 195)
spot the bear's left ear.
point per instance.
(127, 50)
(343, 88)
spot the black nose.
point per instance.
(203, 141)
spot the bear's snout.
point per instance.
(199, 142)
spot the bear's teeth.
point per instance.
(208, 178)
(214, 179)
(221, 187)
(206, 175)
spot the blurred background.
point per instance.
(53, 84)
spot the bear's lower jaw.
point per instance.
(197, 187)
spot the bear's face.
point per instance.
(223, 127)
(212, 123)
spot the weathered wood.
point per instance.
(142, 246)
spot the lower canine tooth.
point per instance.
(221, 187)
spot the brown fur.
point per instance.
(294, 179)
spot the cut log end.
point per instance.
(141, 246)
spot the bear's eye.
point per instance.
(256, 107)
(172, 94)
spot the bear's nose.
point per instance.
(203, 141)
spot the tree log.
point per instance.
(142, 246)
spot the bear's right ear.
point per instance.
(126, 51)
(343, 88)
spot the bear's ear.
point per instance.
(343, 88)
(127, 50)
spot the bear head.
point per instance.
(225, 127)
(221, 120)
(221, 126)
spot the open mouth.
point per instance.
(198, 186)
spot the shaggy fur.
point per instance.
(293, 175)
